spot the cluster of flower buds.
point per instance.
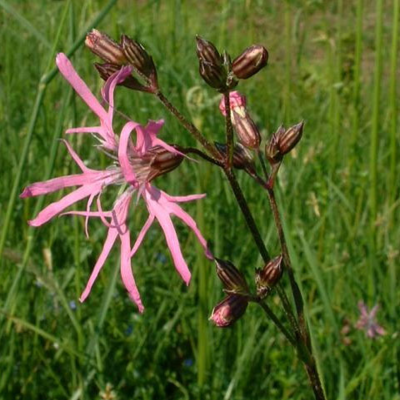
(220, 73)
(127, 52)
(268, 277)
(245, 128)
(282, 142)
(242, 158)
(232, 307)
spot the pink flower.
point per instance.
(367, 321)
(132, 165)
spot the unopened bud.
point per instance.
(212, 75)
(288, 140)
(104, 47)
(242, 158)
(156, 162)
(245, 128)
(250, 62)
(206, 51)
(138, 57)
(229, 310)
(282, 142)
(268, 277)
(163, 161)
(107, 69)
(232, 279)
(211, 64)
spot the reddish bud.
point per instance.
(138, 57)
(268, 277)
(211, 64)
(104, 47)
(245, 128)
(282, 142)
(250, 62)
(232, 279)
(229, 310)
(156, 162)
(206, 51)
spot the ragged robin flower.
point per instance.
(133, 165)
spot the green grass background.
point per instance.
(332, 63)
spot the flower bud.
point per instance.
(212, 75)
(250, 62)
(245, 128)
(106, 70)
(288, 140)
(232, 279)
(268, 277)
(156, 162)
(282, 142)
(207, 52)
(242, 158)
(163, 161)
(138, 57)
(229, 310)
(211, 64)
(272, 151)
(104, 47)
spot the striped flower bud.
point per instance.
(212, 75)
(138, 57)
(245, 128)
(211, 64)
(242, 158)
(104, 47)
(282, 142)
(288, 140)
(156, 162)
(250, 62)
(229, 310)
(107, 69)
(207, 52)
(232, 279)
(268, 277)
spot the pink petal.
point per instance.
(69, 73)
(126, 168)
(126, 271)
(90, 129)
(146, 136)
(111, 237)
(52, 185)
(142, 234)
(184, 199)
(75, 157)
(190, 222)
(170, 235)
(109, 87)
(55, 208)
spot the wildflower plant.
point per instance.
(137, 156)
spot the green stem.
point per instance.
(278, 323)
